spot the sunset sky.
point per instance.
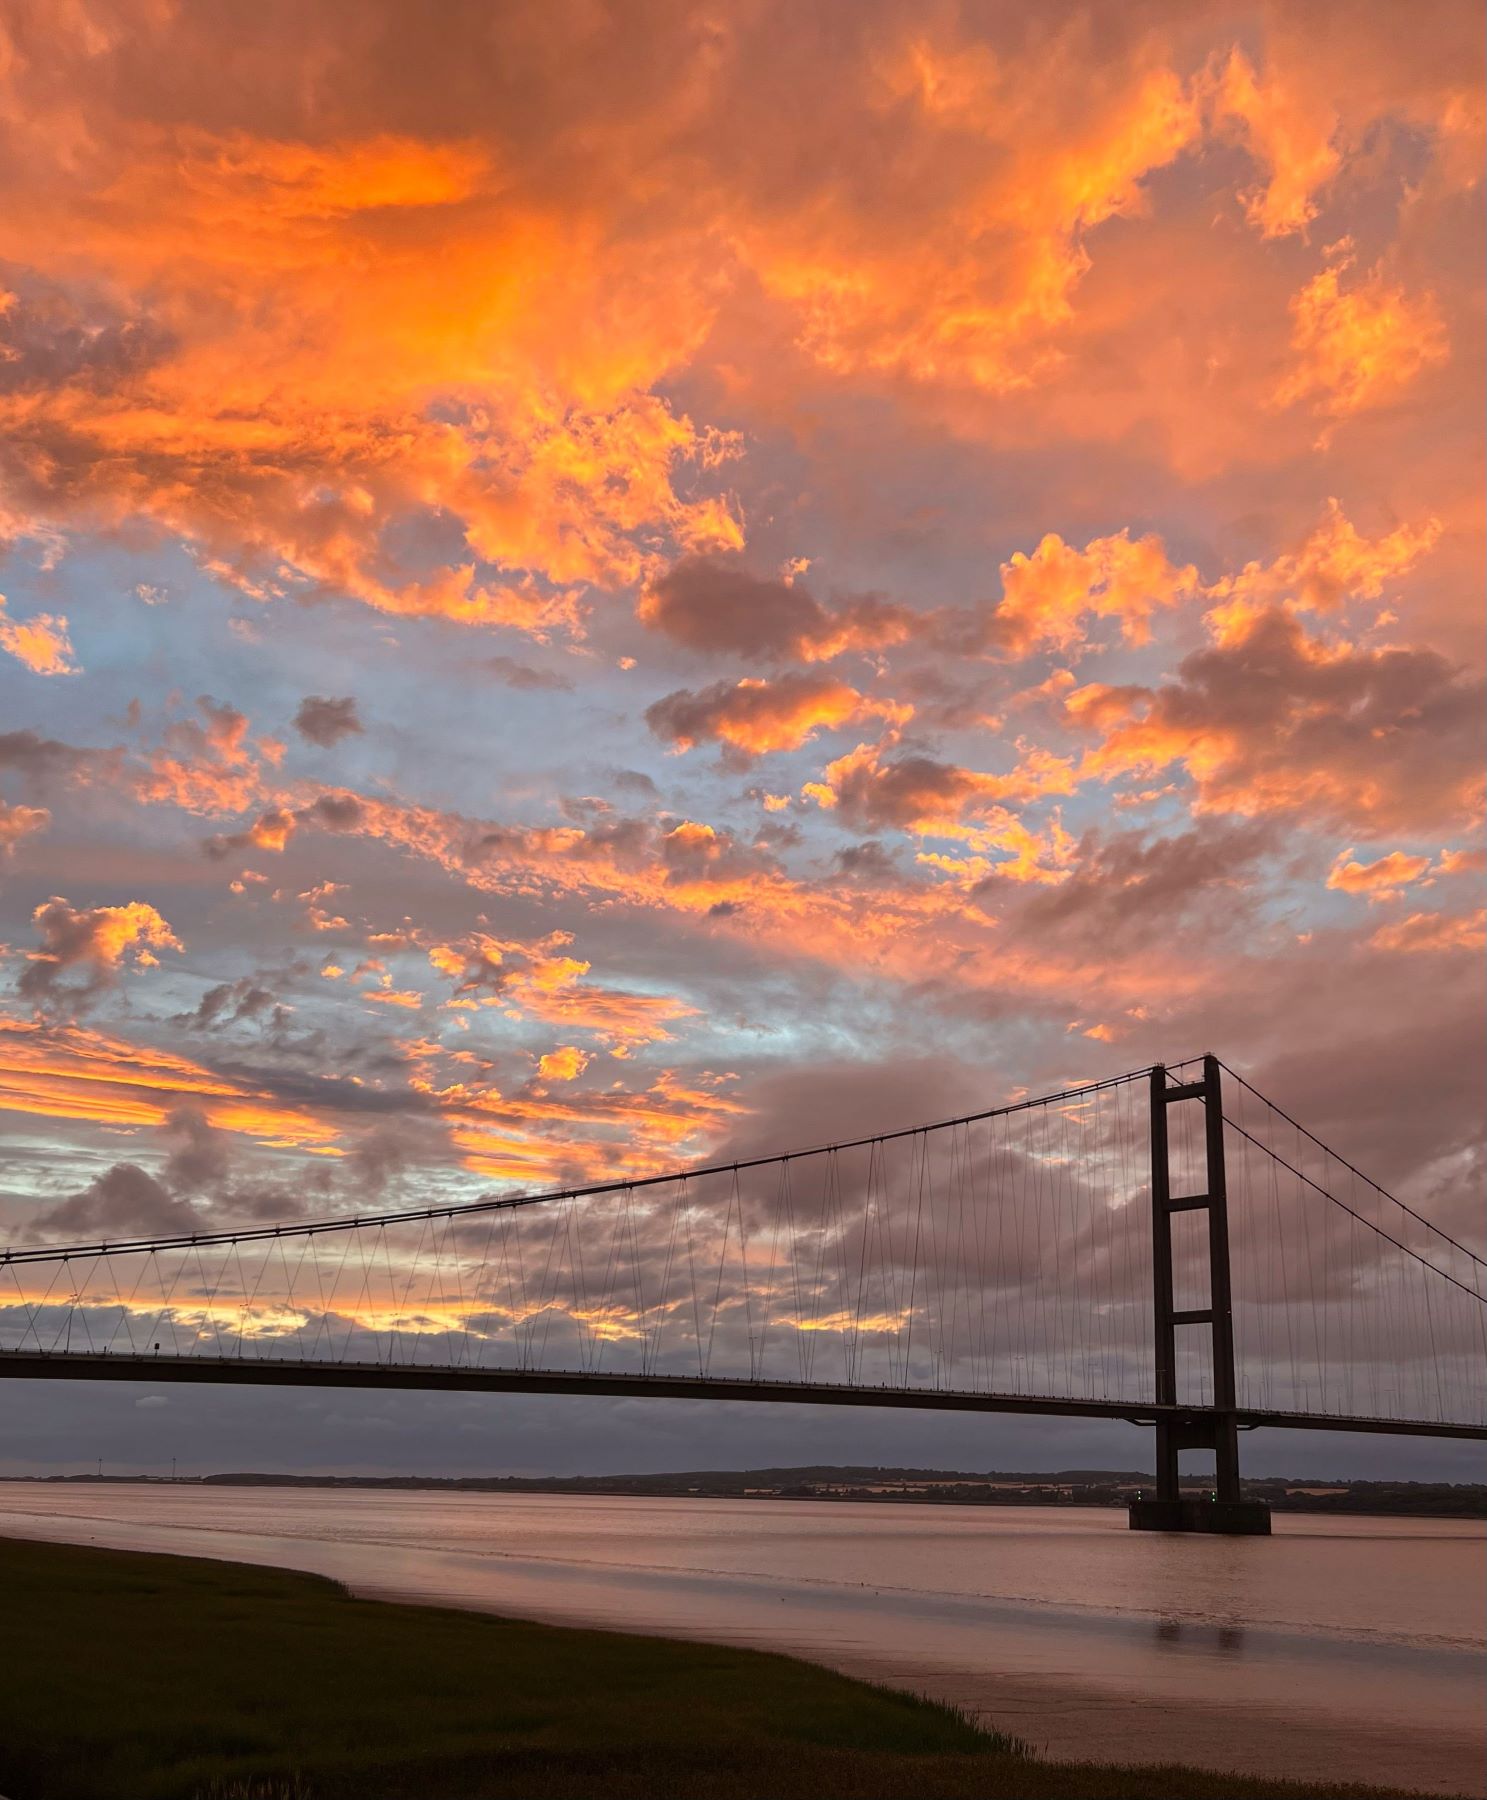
(588, 587)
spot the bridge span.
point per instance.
(1166, 1247)
(240, 1371)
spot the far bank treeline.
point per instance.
(934, 1487)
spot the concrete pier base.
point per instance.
(1226, 1518)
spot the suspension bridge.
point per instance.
(1166, 1247)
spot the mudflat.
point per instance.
(1337, 1650)
(146, 1677)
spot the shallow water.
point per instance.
(1337, 1649)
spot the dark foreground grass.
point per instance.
(133, 1677)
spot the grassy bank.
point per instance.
(133, 1677)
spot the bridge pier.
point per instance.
(1224, 1518)
(1222, 1509)
(1213, 1427)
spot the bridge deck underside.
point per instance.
(287, 1372)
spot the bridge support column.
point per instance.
(1223, 1508)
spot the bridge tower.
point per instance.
(1213, 1427)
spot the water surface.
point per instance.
(1337, 1649)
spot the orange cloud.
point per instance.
(552, 989)
(204, 765)
(606, 1132)
(40, 642)
(332, 334)
(974, 291)
(541, 981)
(17, 822)
(919, 794)
(752, 717)
(1334, 563)
(255, 187)
(1383, 879)
(648, 1126)
(691, 870)
(299, 340)
(1424, 932)
(1047, 596)
(408, 998)
(1271, 720)
(96, 939)
(942, 800)
(69, 1072)
(1044, 857)
(700, 874)
(708, 883)
(1358, 347)
(564, 1064)
(1288, 126)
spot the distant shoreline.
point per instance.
(893, 1486)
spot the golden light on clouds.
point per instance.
(823, 543)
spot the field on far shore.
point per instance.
(141, 1677)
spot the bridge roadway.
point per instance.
(248, 1371)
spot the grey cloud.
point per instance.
(330, 1092)
(39, 758)
(201, 1155)
(325, 722)
(896, 793)
(1382, 1058)
(829, 1102)
(123, 1202)
(335, 812)
(867, 862)
(633, 781)
(523, 677)
(53, 338)
(386, 1155)
(713, 607)
(1374, 741)
(230, 1003)
(1131, 887)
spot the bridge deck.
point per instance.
(247, 1371)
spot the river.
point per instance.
(1339, 1648)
